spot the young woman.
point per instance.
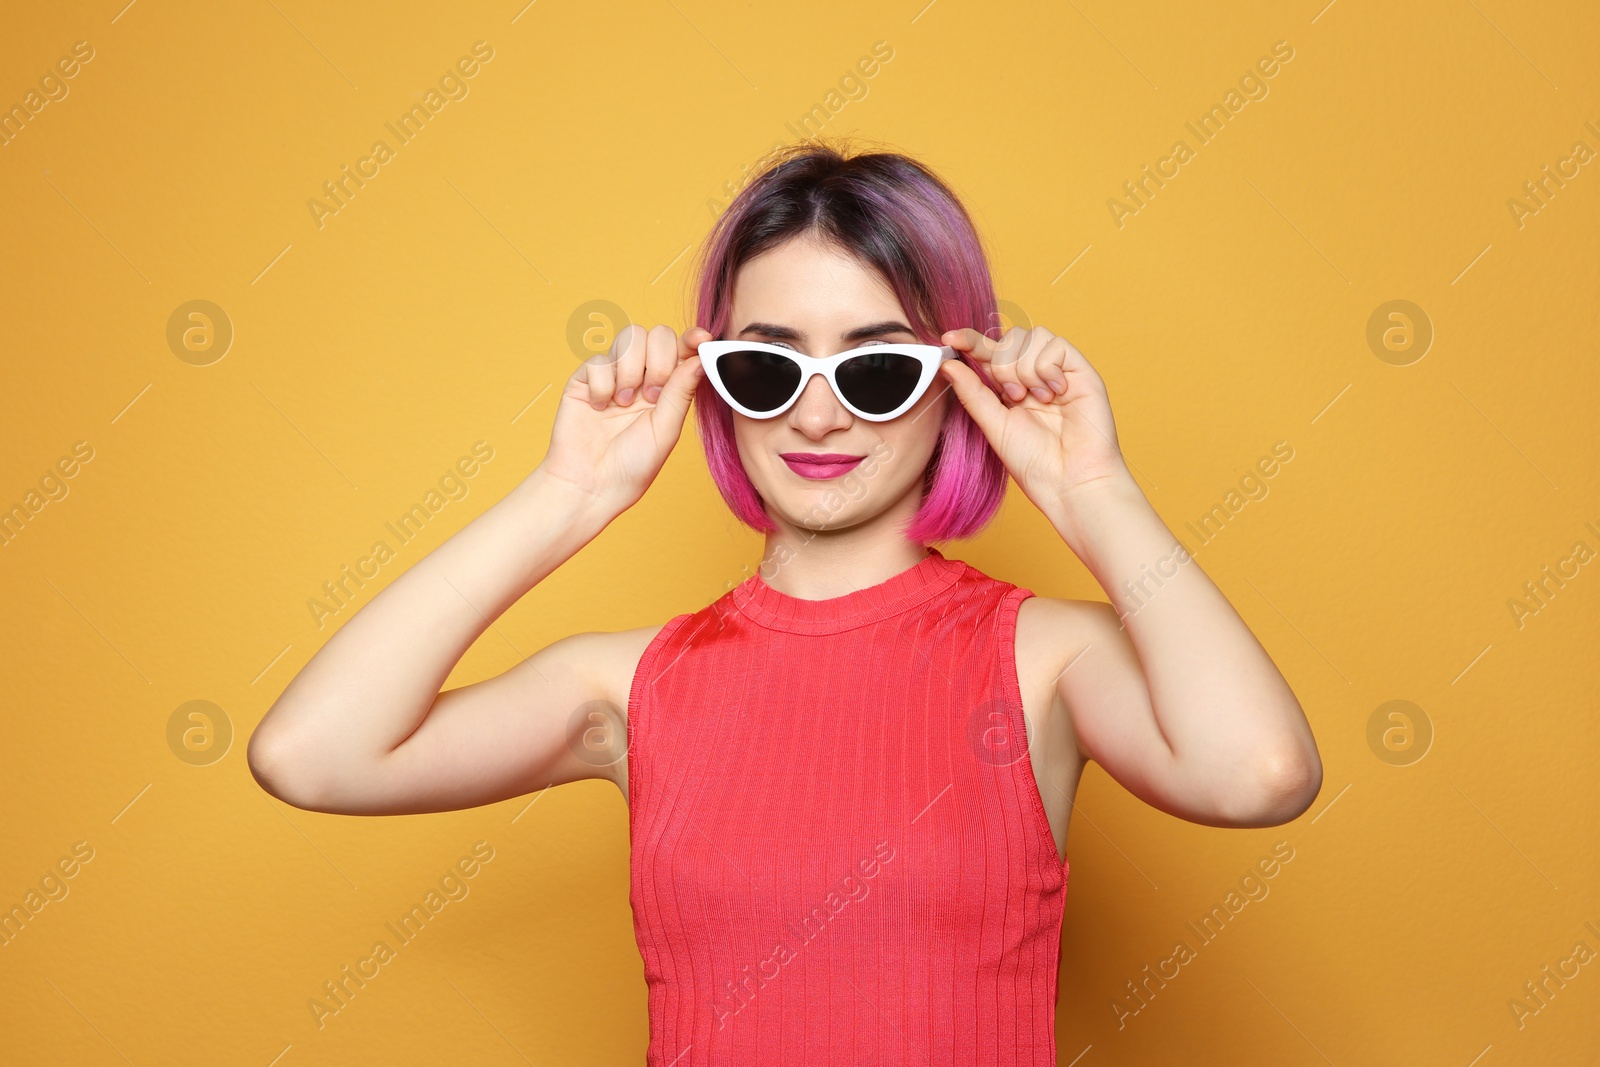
(850, 778)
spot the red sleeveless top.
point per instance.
(838, 852)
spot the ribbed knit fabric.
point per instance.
(839, 854)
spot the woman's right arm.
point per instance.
(363, 729)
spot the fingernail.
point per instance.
(1042, 393)
(1014, 391)
(652, 392)
(1058, 388)
(624, 396)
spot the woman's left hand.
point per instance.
(1054, 446)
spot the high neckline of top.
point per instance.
(776, 610)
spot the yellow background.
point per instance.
(433, 311)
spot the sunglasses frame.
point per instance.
(930, 356)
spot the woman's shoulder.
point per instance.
(1051, 632)
(612, 658)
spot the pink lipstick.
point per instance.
(820, 465)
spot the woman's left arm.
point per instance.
(1167, 689)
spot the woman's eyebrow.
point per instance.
(860, 333)
(877, 329)
(767, 329)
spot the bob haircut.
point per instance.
(898, 218)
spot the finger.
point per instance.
(1041, 348)
(672, 407)
(970, 341)
(1065, 370)
(688, 345)
(659, 352)
(601, 372)
(1050, 367)
(995, 357)
(659, 361)
(986, 409)
(691, 340)
(1005, 363)
(1074, 364)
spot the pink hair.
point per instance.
(897, 217)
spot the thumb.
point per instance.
(981, 403)
(672, 406)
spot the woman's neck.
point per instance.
(820, 565)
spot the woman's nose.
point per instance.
(818, 410)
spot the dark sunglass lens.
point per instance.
(761, 381)
(878, 382)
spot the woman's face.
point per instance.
(819, 300)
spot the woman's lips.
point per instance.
(818, 467)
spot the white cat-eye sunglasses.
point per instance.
(876, 382)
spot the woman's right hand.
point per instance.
(621, 413)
